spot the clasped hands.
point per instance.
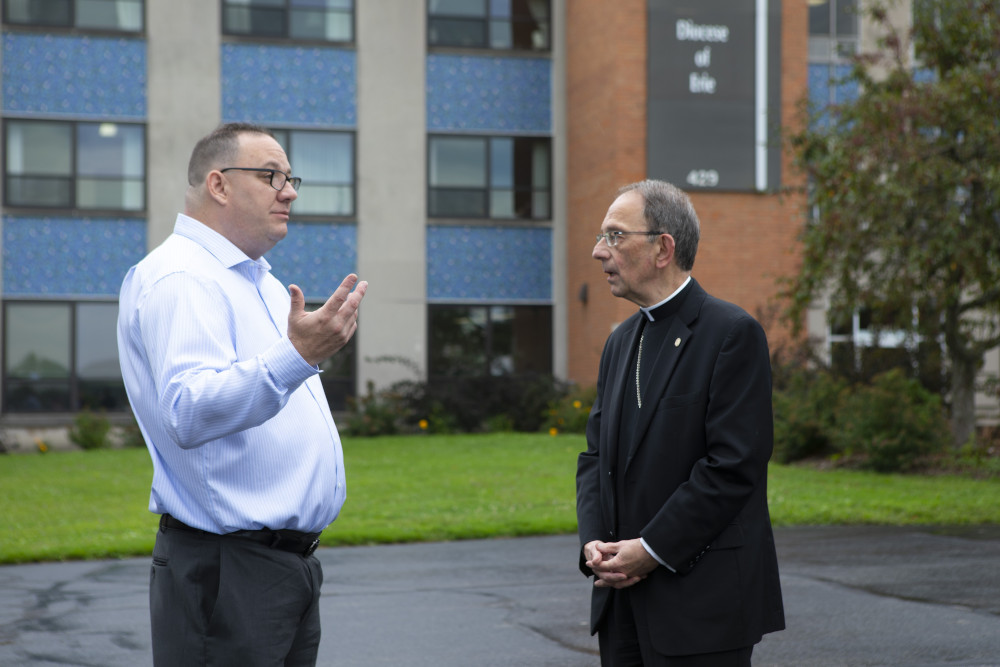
(618, 564)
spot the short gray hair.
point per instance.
(668, 210)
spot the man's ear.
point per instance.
(665, 250)
(217, 186)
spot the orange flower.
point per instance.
(423, 424)
(553, 431)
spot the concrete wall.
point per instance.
(184, 89)
(391, 187)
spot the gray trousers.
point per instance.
(217, 600)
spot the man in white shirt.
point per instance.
(221, 367)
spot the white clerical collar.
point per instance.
(647, 311)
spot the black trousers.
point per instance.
(624, 642)
(218, 600)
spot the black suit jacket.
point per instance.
(695, 478)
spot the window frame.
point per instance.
(73, 206)
(488, 190)
(323, 217)
(72, 25)
(486, 21)
(285, 36)
(75, 384)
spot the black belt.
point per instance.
(285, 540)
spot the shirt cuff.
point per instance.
(287, 366)
(652, 553)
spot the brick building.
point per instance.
(458, 154)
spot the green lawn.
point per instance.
(63, 505)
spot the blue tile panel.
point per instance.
(69, 257)
(495, 264)
(289, 86)
(75, 76)
(489, 94)
(316, 257)
(824, 80)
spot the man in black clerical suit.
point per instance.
(672, 489)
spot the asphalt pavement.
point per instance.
(854, 596)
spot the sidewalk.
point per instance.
(853, 596)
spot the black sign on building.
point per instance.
(714, 94)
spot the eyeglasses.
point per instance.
(278, 178)
(611, 238)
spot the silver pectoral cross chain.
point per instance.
(638, 362)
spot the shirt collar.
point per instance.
(648, 310)
(220, 247)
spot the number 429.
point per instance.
(703, 178)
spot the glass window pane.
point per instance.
(541, 208)
(532, 339)
(501, 162)
(96, 342)
(540, 164)
(98, 372)
(264, 18)
(460, 32)
(847, 18)
(475, 8)
(457, 162)
(325, 160)
(334, 26)
(340, 5)
(39, 148)
(323, 200)
(38, 12)
(37, 341)
(128, 195)
(39, 164)
(110, 166)
(819, 19)
(501, 203)
(457, 341)
(111, 14)
(502, 341)
(500, 35)
(110, 150)
(453, 203)
(322, 157)
(529, 24)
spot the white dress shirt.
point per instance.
(236, 421)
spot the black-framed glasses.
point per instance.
(611, 238)
(278, 178)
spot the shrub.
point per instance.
(474, 404)
(892, 424)
(569, 414)
(90, 431)
(375, 413)
(805, 414)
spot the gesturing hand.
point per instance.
(321, 333)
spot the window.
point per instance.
(117, 15)
(325, 161)
(489, 177)
(868, 344)
(475, 341)
(489, 24)
(61, 357)
(97, 166)
(338, 373)
(833, 29)
(324, 20)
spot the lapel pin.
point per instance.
(677, 343)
